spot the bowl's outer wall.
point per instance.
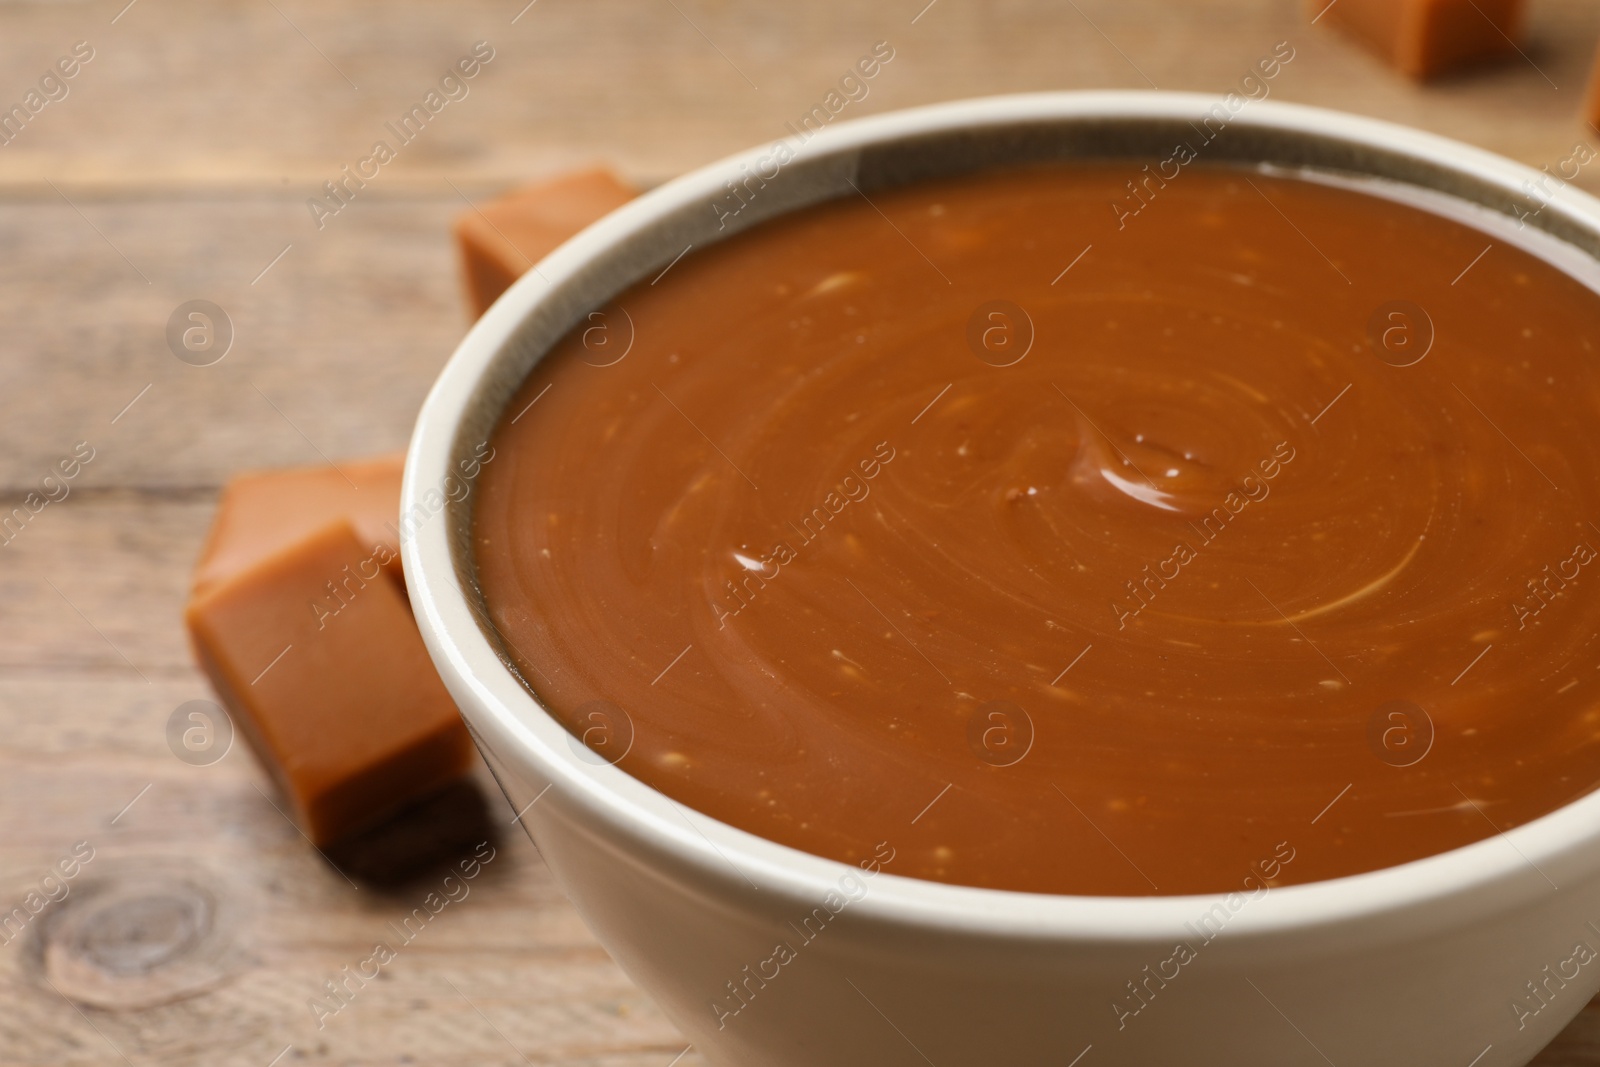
(1413, 986)
(855, 1000)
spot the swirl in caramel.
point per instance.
(1073, 553)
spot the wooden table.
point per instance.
(176, 168)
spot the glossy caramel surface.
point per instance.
(1070, 540)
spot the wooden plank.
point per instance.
(178, 168)
(191, 93)
(334, 348)
(338, 341)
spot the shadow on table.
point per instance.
(424, 840)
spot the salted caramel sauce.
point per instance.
(1246, 538)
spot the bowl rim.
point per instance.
(1512, 868)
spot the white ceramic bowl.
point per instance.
(1412, 966)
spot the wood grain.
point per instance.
(178, 168)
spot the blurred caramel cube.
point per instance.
(260, 512)
(500, 240)
(314, 652)
(1425, 38)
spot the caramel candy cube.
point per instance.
(315, 654)
(1591, 99)
(262, 511)
(498, 241)
(1425, 38)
